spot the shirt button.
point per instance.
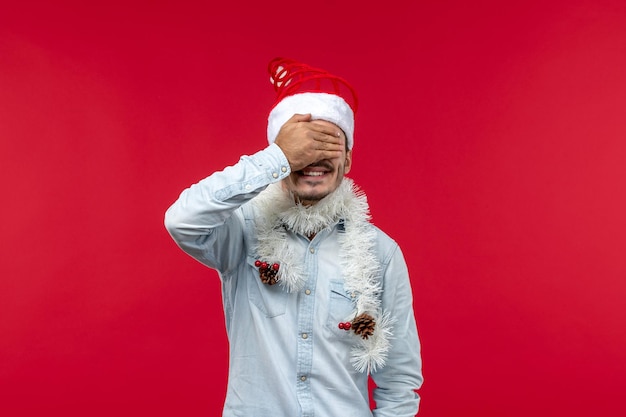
(312, 250)
(284, 169)
(305, 336)
(303, 378)
(275, 174)
(248, 186)
(307, 292)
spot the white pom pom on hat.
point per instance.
(303, 89)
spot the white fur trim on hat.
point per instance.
(321, 106)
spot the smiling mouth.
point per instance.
(313, 173)
(316, 170)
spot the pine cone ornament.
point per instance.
(364, 325)
(268, 273)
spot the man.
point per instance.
(316, 298)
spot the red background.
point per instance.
(490, 140)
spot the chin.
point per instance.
(311, 196)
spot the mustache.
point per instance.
(322, 164)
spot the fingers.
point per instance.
(327, 138)
(305, 141)
(321, 137)
(326, 155)
(315, 125)
(327, 129)
(299, 118)
(329, 143)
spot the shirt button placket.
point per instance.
(305, 336)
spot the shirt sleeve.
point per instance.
(397, 382)
(204, 222)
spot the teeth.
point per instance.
(313, 173)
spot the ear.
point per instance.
(348, 164)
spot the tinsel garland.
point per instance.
(277, 212)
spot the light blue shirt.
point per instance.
(288, 357)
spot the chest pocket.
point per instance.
(270, 299)
(340, 305)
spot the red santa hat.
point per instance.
(303, 89)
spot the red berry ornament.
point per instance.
(345, 326)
